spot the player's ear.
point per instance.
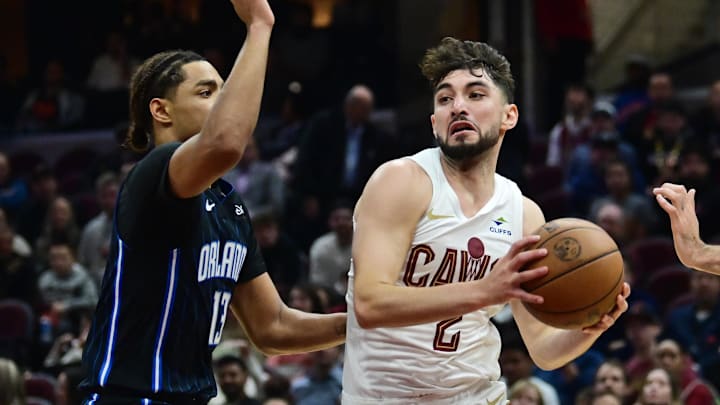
(432, 123)
(160, 110)
(510, 117)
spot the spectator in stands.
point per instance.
(575, 127)
(696, 325)
(585, 175)
(658, 388)
(12, 385)
(285, 135)
(321, 383)
(660, 148)
(642, 327)
(59, 224)
(620, 190)
(13, 190)
(68, 381)
(17, 273)
(232, 374)
(258, 182)
(640, 125)
(610, 377)
(68, 346)
(605, 398)
(523, 392)
(52, 105)
(611, 217)
(706, 121)
(516, 364)
(286, 264)
(632, 94)
(65, 286)
(112, 68)
(340, 149)
(330, 254)
(94, 243)
(43, 191)
(19, 244)
(693, 390)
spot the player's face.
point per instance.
(470, 114)
(193, 98)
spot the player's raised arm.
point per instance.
(679, 203)
(202, 159)
(549, 347)
(394, 200)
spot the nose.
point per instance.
(459, 106)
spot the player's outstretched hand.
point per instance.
(254, 12)
(609, 319)
(680, 207)
(505, 280)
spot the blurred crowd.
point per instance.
(313, 151)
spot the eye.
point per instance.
(476, 95)
(443, 99)
(206, 93)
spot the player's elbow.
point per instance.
(366, 314)
(547, 364)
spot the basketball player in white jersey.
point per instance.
(439, 242)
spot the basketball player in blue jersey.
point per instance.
(439, 242)
(183, 249)
(679, 203)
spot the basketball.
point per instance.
(585, 274)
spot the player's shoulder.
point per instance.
(533, 216)
(398, 173)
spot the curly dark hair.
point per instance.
(158, 76)
(453, 54)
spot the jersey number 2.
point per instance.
(221, 299)
(443, 344)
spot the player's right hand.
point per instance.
(254, 12)
(506, 277)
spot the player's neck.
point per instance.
(473, 182)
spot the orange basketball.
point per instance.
(585, 274)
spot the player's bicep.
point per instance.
(386, 216)
(197, 163)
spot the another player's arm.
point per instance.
(205, 157)
(274, 328)
(549, 347)
(691, 250)
(395, 198)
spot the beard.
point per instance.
(467, 151)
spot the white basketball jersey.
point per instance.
(454, 361)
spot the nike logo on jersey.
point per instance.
(496, 400)
(433, 217)
(209, 205)
(239, 210)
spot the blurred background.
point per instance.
(615, 97)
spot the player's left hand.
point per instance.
(609, 319)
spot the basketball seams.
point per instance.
(612, 290)
(562, 232)
(570, 270)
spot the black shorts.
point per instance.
(121, 398)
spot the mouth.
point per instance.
(459, 127)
